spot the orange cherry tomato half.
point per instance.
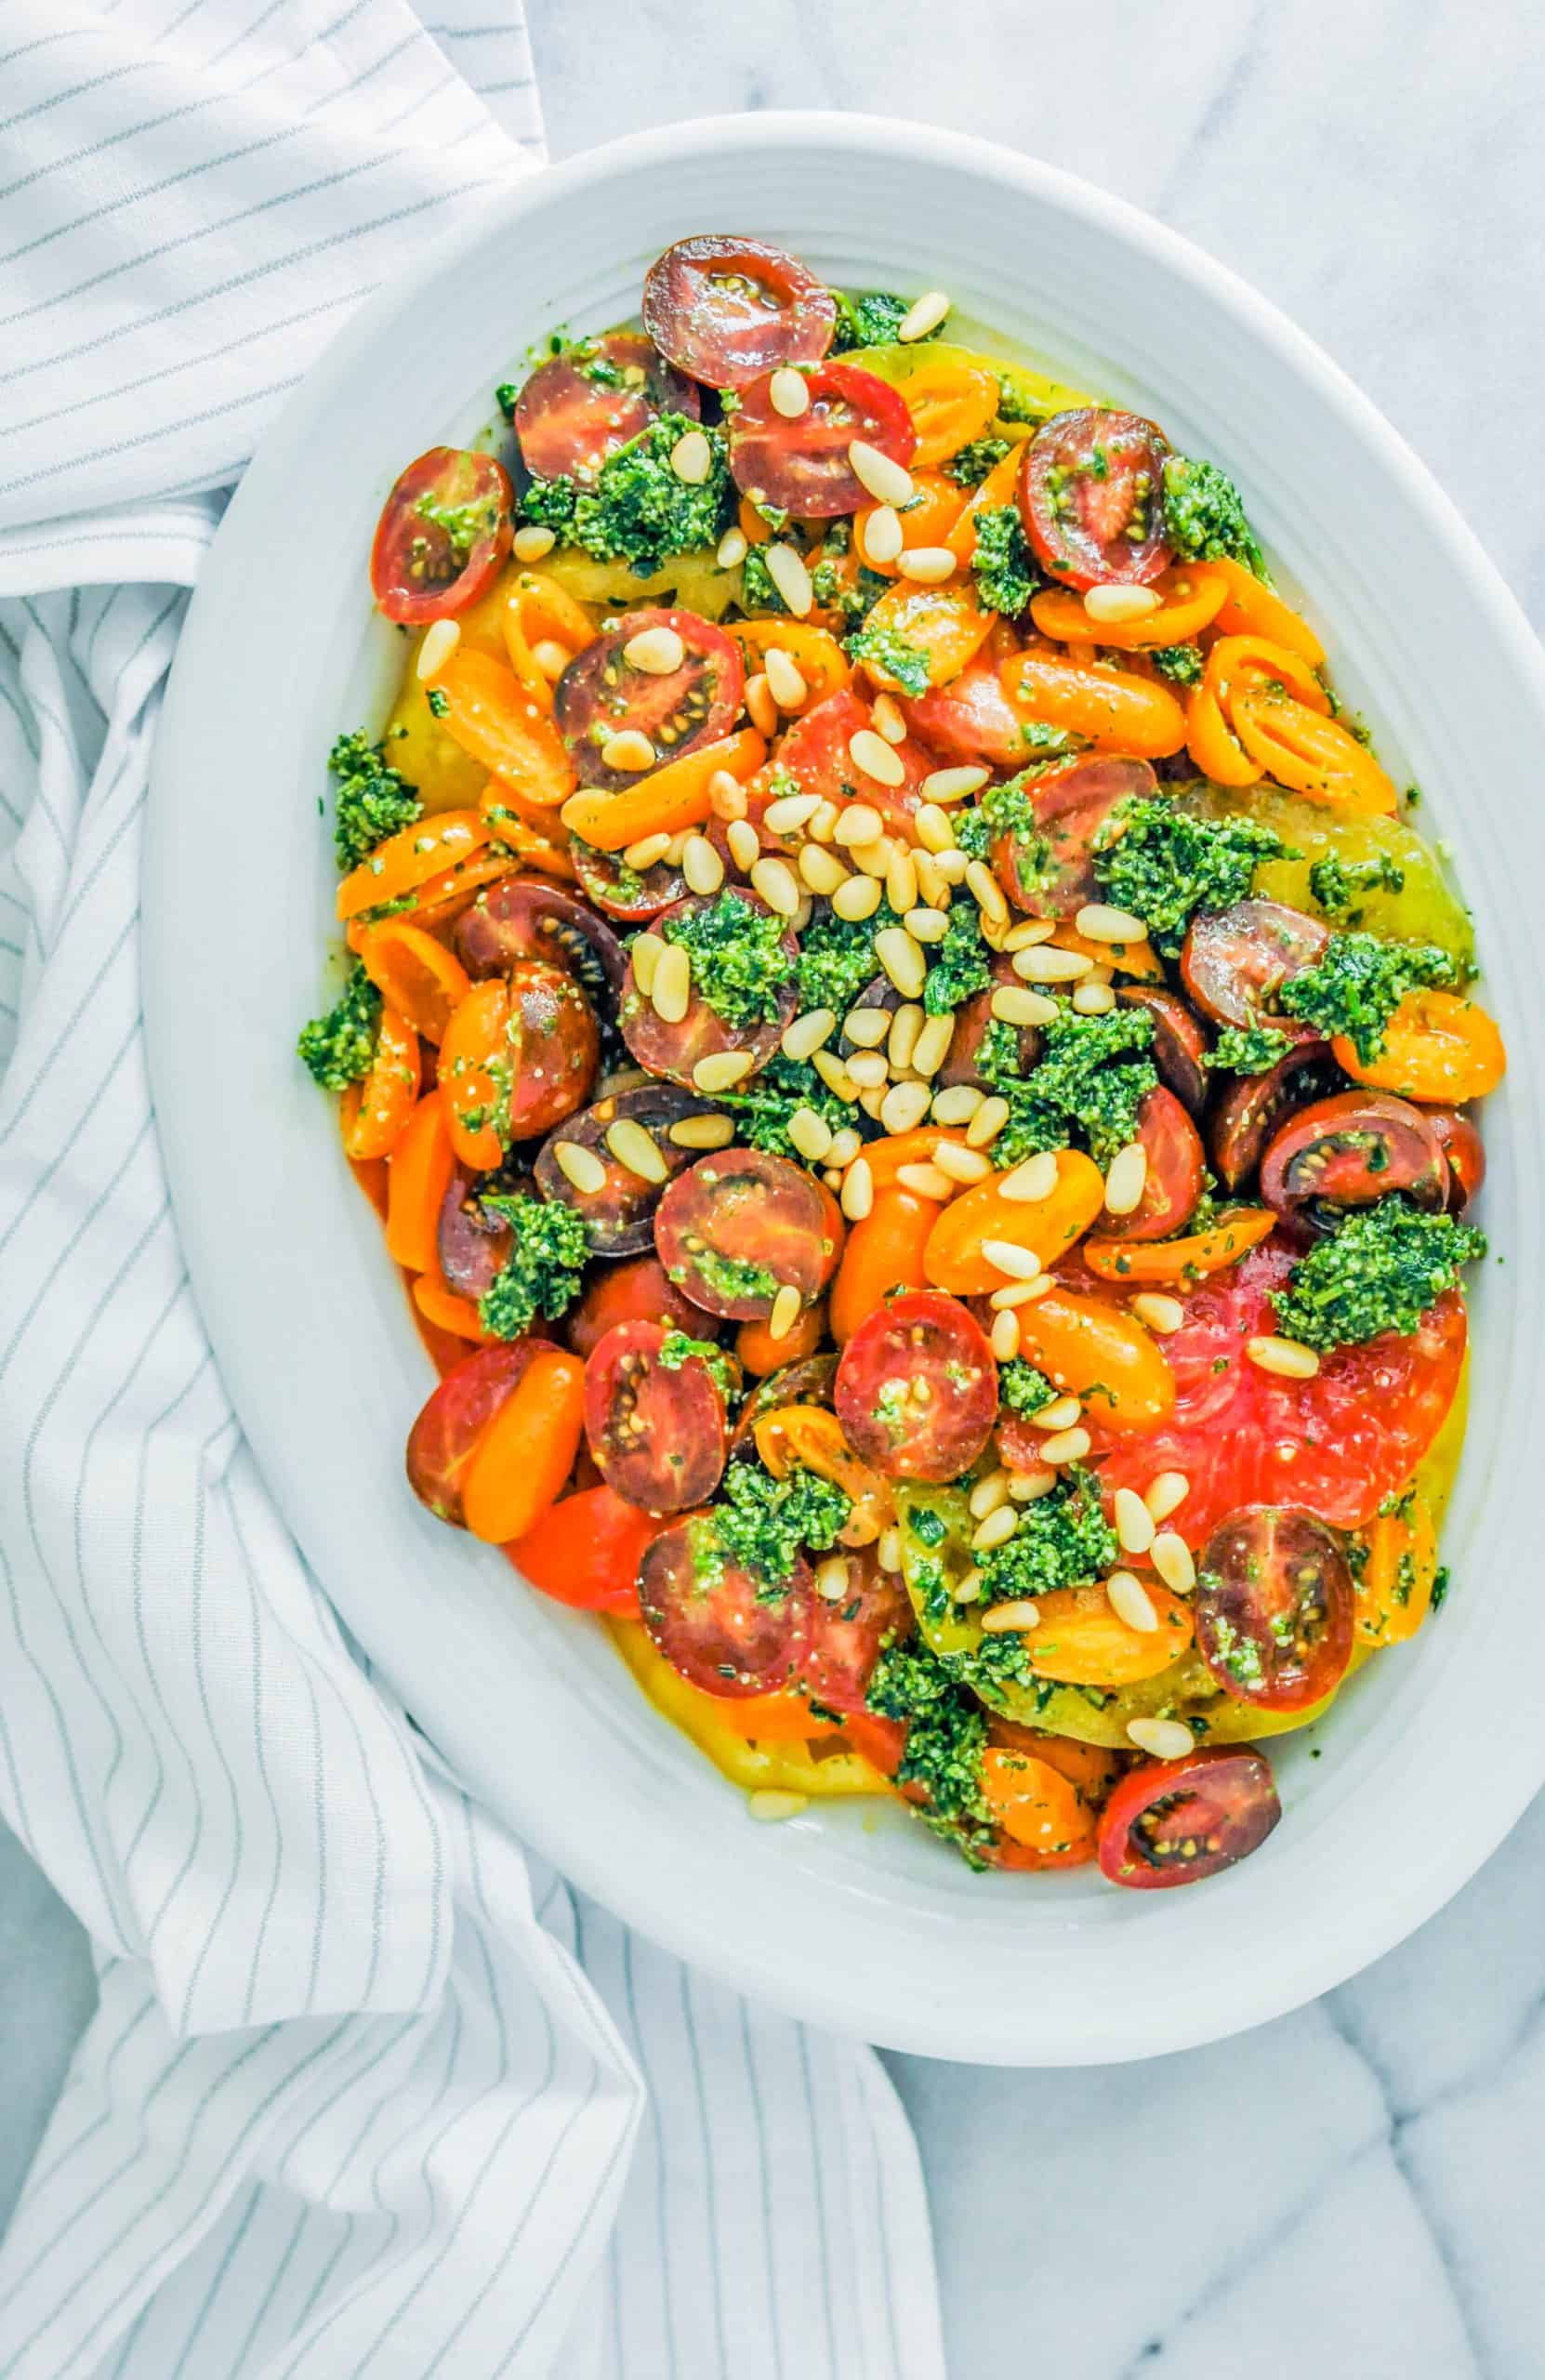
(410, 859)
(527, 1451)
(584, 1551)
(418, 1178)
(1036, 1807)
(950, 404)
(1080, 1639)
(1316, 756)
(473, 1056)
(449, 1428)
(665, 800)
(882, 1254)
(413, 973)
(1187, 1259)
(810, 1437)
(956, 1256)
(945, 623)
(1251, 608)
(1438, 1047)
(1191, 596)
(1395, 1586)
(1111, 708)
(760, 1353)
(537, 611)
(927, 519)
(388, 1092)
(1095, 1351)
(495, 715)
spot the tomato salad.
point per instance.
(915, 1065)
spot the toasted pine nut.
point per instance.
(1004, 1335)
(1171, 1557)
(888, 1553)
(672, 990)
(820, 870)
(727, 795)
(657, 651)
(744, 843)
(845, 1147)
(888, 719)
(859, 897)
(701, 866)
(703, 1132)
(760, 708)
(858, 1190)
(810, 1133)
(869, 1069)
(768, 1805)
(997, 1529)
(628, 749)
(1014, 1004)
(633, 1147)
(1028, 932)
(1158, 1313)
(692, 459)
(1167, 1493)
(1015, 1293)
(989, 893)
(1033, 1181)
(901, 880)
(1286, 1357)
(866, 1027)
(932, 1047)
(923, 924)
(1028, 1486)
(646, 953)
(872, 755)
(925, 1181)
(901, 1042)
(1093, 999)
(722, 1069)
(531, 543)
(787, 570)
(1134, 1522)
(784, 677)
(440, 640)
(927, 565)
(923, 315)
(990, 1491)
(787, 1309)
(806, 1034)
(934, 831)
(1097, 921)
(887, 480)
(1107, 604)
(789, 392)
(882, 535)
(902, 959)
(859, 823)
(581, 1166)
(1129, 1600)
(550, 657)
(953, 784)
(646, 851)
(831, 1577)
(957, 1104)
(1126, 1179)
(933, 885)
(1061, 1414)
(1004, 1617)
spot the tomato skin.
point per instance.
(567, 423)
(920, 1340)
(1091, 1348)
(803, 465)
(715, 1623)
(742, 1207)
(621, 1213)
(954, 1258)
(1175, 1821)
(815, 751)
(446, 1435)
(1079, 518)
(1274, 1608)
(525, 1454)
(1176, 1170)
(847, 1637)
(1350, 1150)
(657, 1436)
(673, 1050)
(585, 1549)
(1180, 1044)
(883, 1252)
(601, 693)
(1462, 1147)
(554, 1044)
(1069, 807)
(530, 917)
(636, 1292)
(1038, 1809)
(971, 719)
(472, 1245)
(726, 309)
(1248, 1112)
(600, 878)
(1235, 960)
(417, 574)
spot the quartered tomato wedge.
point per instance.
(916, 1388)
(637, 1291)
(471, 1244)
(601, 693)
(740, 1224)
(849, 1634)
(1092, 494)
(1173, 1181)
(1274, 1608)
(580, 406)
(816, 753)
(619, 1209)
(802, 465)
(673, 1047)
(726, 1631)
(1175, 1821)
(1055, 877)
(1235, 960)
(727, 310)
(1335, 1445)
(658, 1432)
(1350, 1150)
(444, 533)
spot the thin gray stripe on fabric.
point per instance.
(882, 2228)
(77, 91)
(100, 623)
(64, 643)
(712, 2259)
(218, 2280)
(496, 90)
(45, 41)
(260, 1756)
(769, 2255)
(61, 1042)
(579, 2232)
(213, 1928)
(818, 2178)
(131, 2340)
(42, 2174)
(14, 948)
(666, 2273)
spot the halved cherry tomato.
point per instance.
(1274, 1608)
(849, 1634)
(1037, 1808)
(493, 715)
(619, 1213)
(444, 533)
(601, 693)
(1234, 961)
(814, 653)
(725, 1630)
(1094, 1351)
(519, 1055)
(632, 895)
(585, 1551)
(1248, 1111)
(1174, 1821)
(526, 1452)
(969, 718)
(1251, 608)
(1110, 709)
(973, 1020)
(471, 1242)
(1212, 744)
(802, 465)
(949, 404)
(945, 623)
(1092, 494)
(999, 488)
(418, 1178)
(1176, 1171)
(667, 799)
(388, 1092)
(810, 1437)
(1350, 1150)
(885, 1157)
(658, 1432)
(916, 1388)
(727, 310)
(1189, 1258)
(637, 1291)
(1240, 665)
(1047, 1229)
(442, 1307)
(1437, 1047)
(928, 517)
(1467, 1159)
(413, 973)
(816, 753)
(537, 611)
(1316, 756)
(673, 1048)
(450, 1426)
(1191, 596)
(1090, 1768)
(882, 1254)
(1053, 876)
(374, 1176)
(525, 917)
(809, 1381)
(1395, 1586)
(408, 860)
(1080, 1639)
(438, 903)
(1180, 1044)
(760, 1355)
(580, 406)
(738, 1225)
(530, 833)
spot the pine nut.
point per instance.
(1004, 1335)
(787, 1309)
(703, 1132)
(1028, 1486)
(646, 951)
(1014, 1293)
(997, 1529)
(657, 651)
(440, 640)
(732, 549)
(787, 572)
(1158, 1313)
(902, 959)
(821, 871)
(932, 1047)
(1006, 1256)
(1068, 1445)
(810, 1134)
(1033, 1181)
(672, 990)
(581, 1166)
(923, 924)
(550, 657)
(983, 885)
(858, 823)
(925, 1181)
(633, 1147)
(888, 1553)
(1134, 1522)
(845, 1147)
(744, 843)
(858, 1190)
(1004, 1616)
(953, 784)
(927, 565)
(1129, 1600)
(806, 1034)
(784, 677)
(778, 885)
(870, 1069)
(1013, 1005)
(1098, 922)
(968, 1588)
(882, 535)
(692, 459)
(934, 831)
(902, 1040)
(901, 883)
(1049, 966)
(878, 475)
(771, 1806)
(874, 859)
(701, 866)
(831, 1577)
(835, 1074)
(957, 1104)
(888, 719)
(1167, 1493)
(989, 1492)
(531, 543)
(933, 887)
(1093, 999)
(1062, 1413)
(727, 795)
(1126, 1179)
(987, 1122)
(646, 851)
(953, 864)
(923, 315)
(1165, 1738)
(722, 1069)
(1286, 1357)
(1027, 932)
(961, 1165)
(876, 759)
(760, 708)
(788, 393)
(866, 1027)
(628, 750)
(1171, 1557)
(1107, 604)
(904, 1106)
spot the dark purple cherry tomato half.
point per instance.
(673, 1048)
(444, 533)
(1176, 1172)
(809, 1381)
(631, 895)
(554, 1044)
(1235, 960)
(580, 407)
(1250, 1110)
(847, 1635)
(657, 1429)
(741, 1224)
(471, 1243)
(719, 1627)
(1462, 1146)
(635, 1292)
(1274, 1606)
(1092, 494)
(802, 465)
(530, 917)
(601, 693)
(1180, 1044)
(1350, 1150)
(916, 1388)
(1175, 1821)
(727, 310)
(619, 1212)
(1055, 877)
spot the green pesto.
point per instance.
(837, 958)
(1015, 402)
(946, 1735)
(439, 706)
(638, 513)
(1358, 982)
(739, 964)
(892, 654)
(1091, 1077)
(758, 594)
(1181, 664)
(542, 1273)
(871, 318)
(1340, 885)
(852, 599)
(728, 1276)
(960, 965)
(374, 800)
(1164, 865)
(1007, 810)
(463, 524)
(1204, 516)
(1248, 1049)
(337, 1049)
(1003, 567)
(1022, 1389)
(1383, 1269)
(677, 1349)
(969, 467)
(1064, 1539)
(764, 1109)
(761, 1524)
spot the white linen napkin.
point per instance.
(369, 2090)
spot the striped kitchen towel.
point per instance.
(369, 2092)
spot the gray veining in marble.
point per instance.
(1351, 2193)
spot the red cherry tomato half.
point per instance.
(443, 532)
(1336, 1444)
(1180, 1044)
(1092, 494)
(601, 693)
(971, 719)
(1461, 1145)
(802, 465)
(728, 309)
(740, 1224)
(631, 895)
(972, 1018)
(585, 1551)
(471, 1244)
(1235, 960)
(1174, 1821)
(1055, 877)
(722, 1628)
(674, 1048)
(554, 1044)
(814, 752)
(916, 1388)
(1250, 1110)
(580, 406)
(1350, 1150)
(658, 1434)
(530, 917)
(1274, 1608)
(445, 1437)
(849, 1635)
(1176, 1171)
(620, 1213)
(637, 1291)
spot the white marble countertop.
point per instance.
(1353, 2189)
